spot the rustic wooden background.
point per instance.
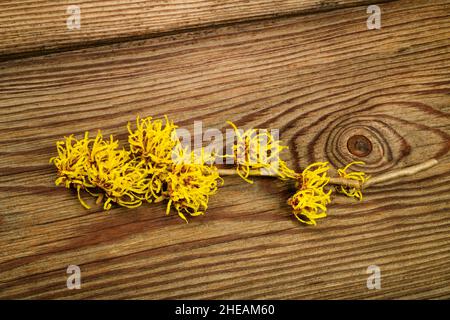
(308, 67)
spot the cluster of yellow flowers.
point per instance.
(258, 150)
(356, 175)
(191, 182)
(100, 168)
(152, 170)
(157, 168)
(311, 200)
(152, 142)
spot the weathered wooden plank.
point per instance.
(318, 78)
(38, 26)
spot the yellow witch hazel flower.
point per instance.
(71, 163)
(101, 169)
(258, 150)
(355, 175)
(191, 182)
(311, 200)
(122, 179)
(153, 142)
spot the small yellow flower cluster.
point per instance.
(191, 182)
(153, 142)
(155, 168)
(257, 150)
(358, 176)
(100, 168)
(310, 201)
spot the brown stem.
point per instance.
(388, 176)
(408, 171)
(232, 172)
(334, 181)
(345, 182)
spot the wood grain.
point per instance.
(320, 79)
(35, 26)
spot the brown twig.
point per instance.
(345, 182)
(253, 173)
(388, 176)
(405, 172)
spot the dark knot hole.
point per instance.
(359, 146)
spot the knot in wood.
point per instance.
(359, 145)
